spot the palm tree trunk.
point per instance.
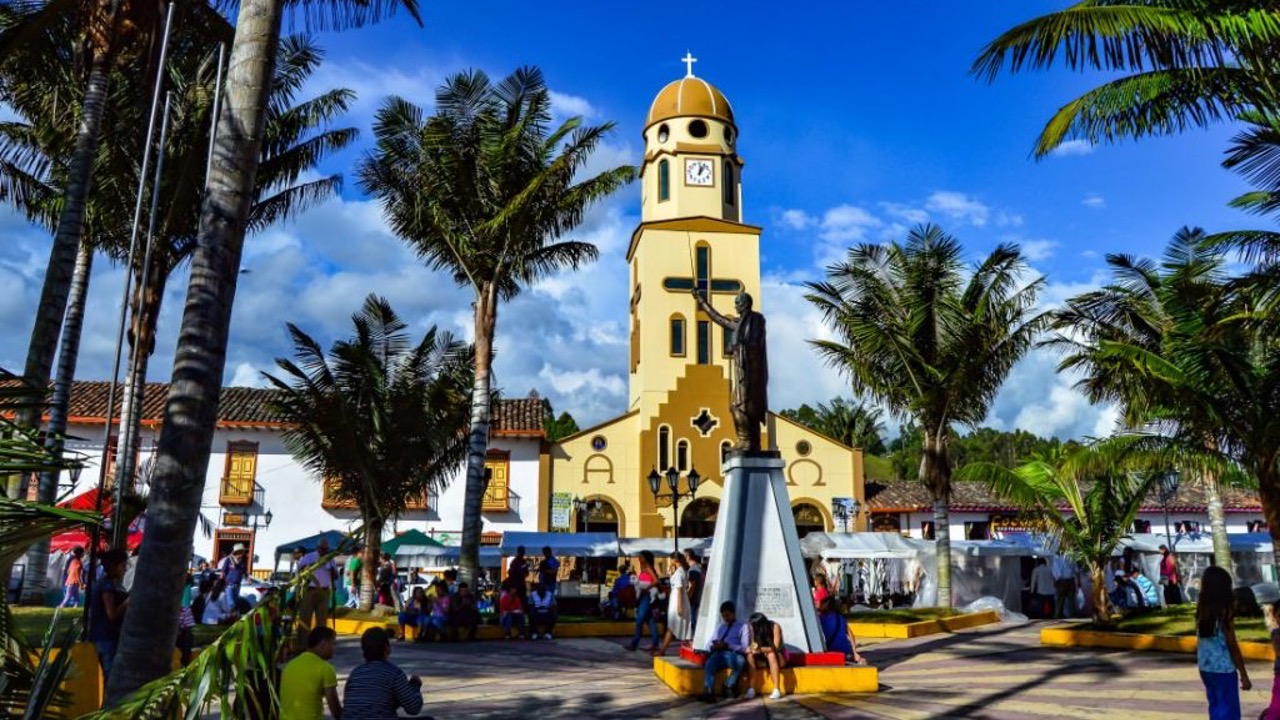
(146, 312)
(372, 557)
(1269, 494)
(1101, 602)
(66, 237)
(935, 472)
(47, 492)
(1217, 522)
(486, 313)
(191, 411)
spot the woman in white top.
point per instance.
(679, 613)
(216, 609)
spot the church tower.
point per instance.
(691, 237)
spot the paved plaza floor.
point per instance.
(995, 673)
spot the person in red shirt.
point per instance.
(511, 611)
(1169, 577)
(820, 590)
(75, 579)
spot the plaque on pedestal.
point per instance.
(755, 556)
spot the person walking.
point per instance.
(74, 582)
(697, 579)
(1222, 668)
(313, 609)
(386, 581)
(1043, 589)
(518, 574)
(646, 592)
(107, 605)
(234, 568)
(728, 643)
(1169, 579)
(309, 681)
(378, 689)
(1064, 584)
(679, 613)
(353, 580)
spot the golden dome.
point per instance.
(690, 97)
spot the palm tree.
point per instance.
(1085, 495)
(111, 32)
(929, 339)
(854, 424)
(379, 419)
(1183, 65)
(1208, 375)
(484, 191)
(33, 154)
(182, 453)
(1148, 305)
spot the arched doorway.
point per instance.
(600, 515)
(698, 520)
(808, 519)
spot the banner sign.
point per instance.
(561, 510)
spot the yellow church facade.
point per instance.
(691, 238)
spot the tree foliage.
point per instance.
(852, 423)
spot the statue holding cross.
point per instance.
(750, 368)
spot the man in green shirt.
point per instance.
(309, 678)
(353, 580)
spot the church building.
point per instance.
(692, 237)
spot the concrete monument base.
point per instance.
(755, 556)
(686, 678)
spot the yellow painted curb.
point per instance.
(493, 632)
(1071, 636)
(925, 627)
(685, 679)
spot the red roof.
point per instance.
(246, 407)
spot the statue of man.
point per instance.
(750, 376)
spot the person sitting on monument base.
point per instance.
(766, 647)
(728, 643)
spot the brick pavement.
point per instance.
(992, 673)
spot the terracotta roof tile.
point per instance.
(251, 406)
(905, 496)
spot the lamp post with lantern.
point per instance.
(673, 482)
(585, 509)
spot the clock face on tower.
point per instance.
(697, 172)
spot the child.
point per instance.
(1217, 652)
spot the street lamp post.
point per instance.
(854, 508)
(585, 509)
(673, 482)
(1168, 491)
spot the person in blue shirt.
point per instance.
(835, 629)
(549, 570)
(107, 605)
(728, 643)
(234, 568)
(1150, 596)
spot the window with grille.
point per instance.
(497, 496)
(240, 474)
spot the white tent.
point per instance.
(596, 544)
(851, 546)
(630, 547)
(434, 556)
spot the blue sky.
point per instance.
(855, 120)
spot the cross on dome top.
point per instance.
(688, 61)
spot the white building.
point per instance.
(977, 514)
(252, 476)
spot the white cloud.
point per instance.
(959, 207)
(797, 219)
(1037, 250)
(569, 105)
(1073, 148)
(1093, 200)
(247, 375)
(846, 223)
(905, 213)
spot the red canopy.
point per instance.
(88, 500)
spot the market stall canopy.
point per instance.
(596, 544)
(630, 547)
(997, 548)
(437, 555)
(852, 546)
(1198, 542)
(414, 538)
(335, 538)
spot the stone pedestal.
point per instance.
(755, 556)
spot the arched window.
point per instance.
(664, 448)
(729, 191)
(664, 180)
(677, 335)
(682, 455)
(704, 342)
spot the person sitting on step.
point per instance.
(766, 648)
(728, 643)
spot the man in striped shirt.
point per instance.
(377, 689)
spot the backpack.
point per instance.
(627, 596)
